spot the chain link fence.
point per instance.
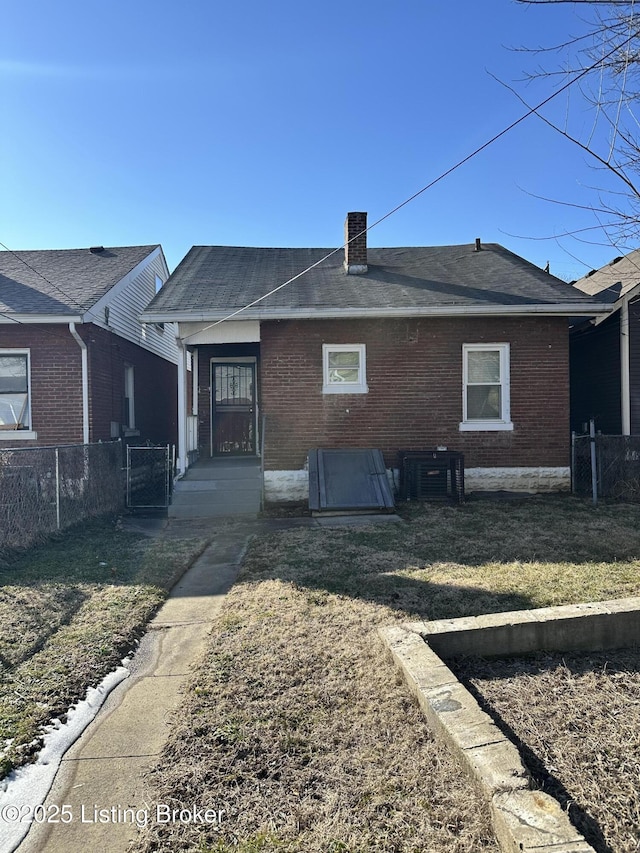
(611, 470)
(45, 489)
(149, 477)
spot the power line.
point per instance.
(42, 327)
(83, 308)
(530, 111)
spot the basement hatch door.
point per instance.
(348, 480)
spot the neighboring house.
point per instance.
(464, 347)
(76, 363)
(605, 352)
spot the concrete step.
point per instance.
(222, 473)
(217, 498)
(208, 512)
(186, 486)
(214, 504)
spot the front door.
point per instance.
(233, 410)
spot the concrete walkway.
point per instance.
(101, 779)
(105, 768)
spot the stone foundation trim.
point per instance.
(281, 486)
(517, 479)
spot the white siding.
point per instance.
(120, 310)
(229, 332)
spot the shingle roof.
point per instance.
(62, 281)
(213, 280)
(623, 274)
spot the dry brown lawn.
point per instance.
(296, 726)
(295, 723)
(577, 721)
(70, 609)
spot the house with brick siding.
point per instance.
(459, 347)
(76, 363)
(605, 351)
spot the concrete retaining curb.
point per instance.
(523, 819)
(570, 628)
(487, 754)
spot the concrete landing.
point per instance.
(219, 488)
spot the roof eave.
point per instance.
(546, 309)
(40, 319)
(630, 296)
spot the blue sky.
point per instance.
(260, 124)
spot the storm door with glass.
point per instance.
(233, 417)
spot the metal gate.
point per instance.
(149, 476)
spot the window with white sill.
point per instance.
(486, 403)
(15, 403)
(344, 369)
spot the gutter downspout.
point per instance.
(182, 408)
(85, 382)
(624, 368)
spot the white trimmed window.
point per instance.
(15, 402)
(485, 387)
(344, 369)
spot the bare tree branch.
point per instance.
(575, 2)
(604, 57)
(616, 170)
(606, 210)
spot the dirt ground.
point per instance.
(576, 719)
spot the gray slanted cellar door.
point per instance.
(348, 480)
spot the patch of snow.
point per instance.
(27, 787)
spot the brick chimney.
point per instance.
(355, 238)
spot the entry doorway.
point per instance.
(234, 414)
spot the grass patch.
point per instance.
(296, 724)
(576, 718)
(296, 727)
(482, 557)
(69, 610)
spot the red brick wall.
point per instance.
(414, 374)
(155, 387)
(56, 384)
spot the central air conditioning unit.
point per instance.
(429, 475)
